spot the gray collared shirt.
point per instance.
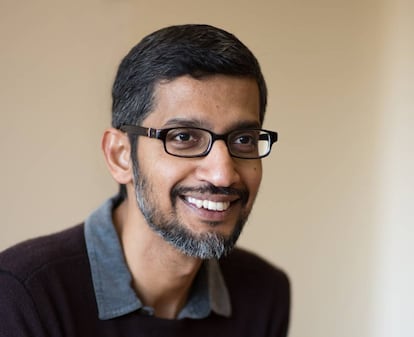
(112, 280)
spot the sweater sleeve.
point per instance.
(18, 314)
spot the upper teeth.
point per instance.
(208, 204)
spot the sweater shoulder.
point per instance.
(246, 265)
(259, 292)
(25, 259)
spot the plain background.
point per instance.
(335, 208)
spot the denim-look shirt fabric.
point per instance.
(112, 280)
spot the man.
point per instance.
(158, 259)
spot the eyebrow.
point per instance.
(197, 123)
(184, 122)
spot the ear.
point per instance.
(117, 152)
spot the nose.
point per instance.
(218, 168)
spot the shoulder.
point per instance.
(259, 292)
(27, 258)
(243, 268)
(36, 277)
(243, 261)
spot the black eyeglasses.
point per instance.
(189, 142)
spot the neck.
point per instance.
(162, 276)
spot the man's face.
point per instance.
(199, 204)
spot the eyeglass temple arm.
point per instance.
(140, 130)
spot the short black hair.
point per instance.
(195, 50)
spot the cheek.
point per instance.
(253, 177)
(164, 171)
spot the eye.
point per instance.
(245, 137)
(181, 135)
(244, 141)
(185, 138)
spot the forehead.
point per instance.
(216, 102)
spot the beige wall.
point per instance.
(394, 289)
(335, 204)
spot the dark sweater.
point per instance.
(46, 290)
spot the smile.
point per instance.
(208, 204)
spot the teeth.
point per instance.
(208, 204)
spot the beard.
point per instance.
(169, 226)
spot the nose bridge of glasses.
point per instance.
(219, 150)
(215, 136)
(223, 137)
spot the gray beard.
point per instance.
(204, 246)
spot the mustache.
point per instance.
(243, 194)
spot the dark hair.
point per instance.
(195, 50)
(171, 52)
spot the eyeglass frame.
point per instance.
(161, 134)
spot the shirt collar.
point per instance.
(112, 280)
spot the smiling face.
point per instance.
(199, 204)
